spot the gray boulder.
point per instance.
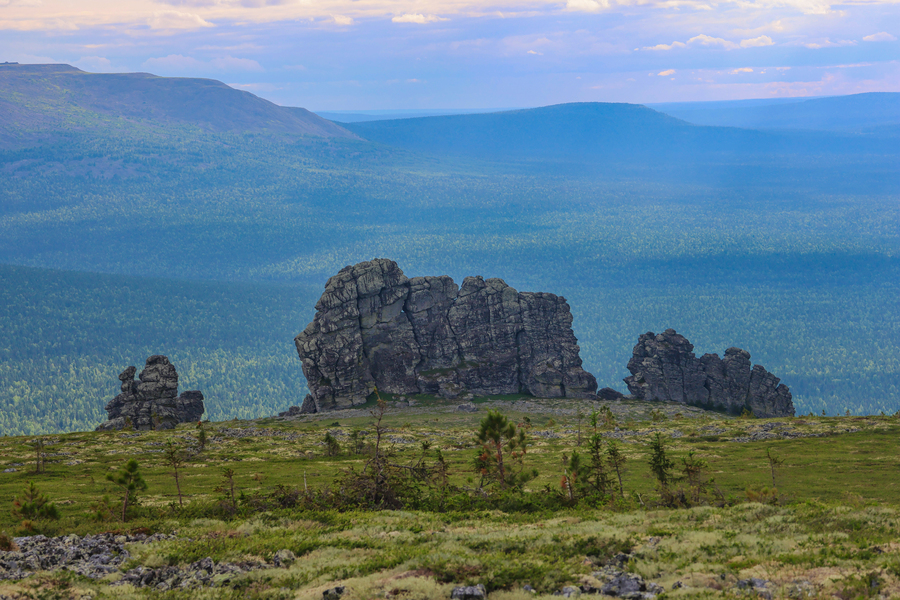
(664, 367)
(376, 328)
(152, 401)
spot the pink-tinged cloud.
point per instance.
(417, 18)
(757, 42)
(173, 19)
(882, 36)
(666, 73)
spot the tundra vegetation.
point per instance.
(412, 502)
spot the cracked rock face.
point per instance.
(664, 367)
(376, 327)
(152, 401)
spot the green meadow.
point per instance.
(831, 523)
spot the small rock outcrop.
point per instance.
(152, 401)
(664, 367)
(374, 327)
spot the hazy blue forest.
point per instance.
(212, 248)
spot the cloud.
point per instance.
(702, 40)
(586, 5)
(173, 19)
(666, 46)
(341, 20)
(757, 42)
(535, 52)
(230, 63)
(741, 70)
(417, 18)
(666, 73)
(882, 36)
(706, 40)
(172, 62)
(829, 44)
(709, 41)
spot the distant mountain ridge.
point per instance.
(591, 130)
(855, 112)
(45, 98)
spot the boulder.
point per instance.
(152, 401)
(664, 367)
(375, 328)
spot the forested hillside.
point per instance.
(67, 335)
(793, 257)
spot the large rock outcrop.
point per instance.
(376, 327)
(152, 401)
(664, 367)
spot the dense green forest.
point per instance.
(216, 246)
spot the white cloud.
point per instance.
(666, 73)
(534, 52)
(417, 18)
(757, 42)
(741, 70)
(706, 40)
(882, 36)
(172, 62)
(709, 41)
(586, 5)
(341, 20)
(829, 44)
(667, 46)
(230, 63)
(173, 19)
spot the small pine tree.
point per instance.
(332, 446)
(616, 462)
(694, 471)
(660, 464)
(227, 486)
(201, 436)
(130, 482)
(174, 457)
(774, 463)
(598, 474)
(38, 446)
(32, 505)
(503, 451)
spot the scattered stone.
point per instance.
(677, 585)
(528, 588)
(610, 394)
(293, 411)
(467, 407)
(469, 592)
(284, 558)
(376, 328)
(569, 592)
(9, 470)
(626, 585)
(92, 556)
(334, 593)
(152, 402)
(664, 367)
(756, 586)
(801, 589)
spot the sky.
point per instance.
(453, 54)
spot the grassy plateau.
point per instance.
(831, 528)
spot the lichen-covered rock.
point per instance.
(374, 327)
(152, 401)
(664, 367)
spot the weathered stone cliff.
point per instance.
(152, 401)
(376, 327)
(664, 367)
